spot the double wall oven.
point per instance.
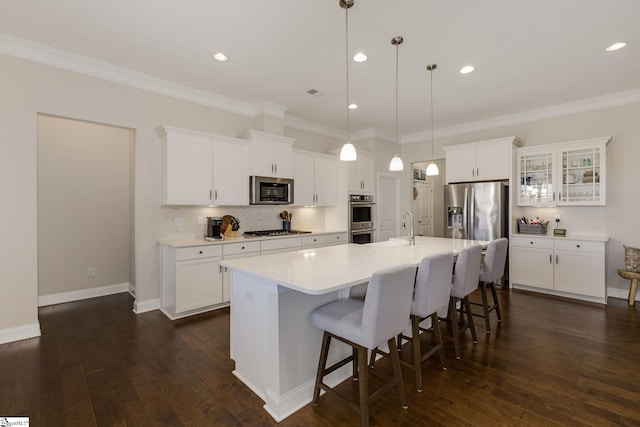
(361, 218)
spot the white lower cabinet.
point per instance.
(571, 268)
(191, 279)
(235, 251)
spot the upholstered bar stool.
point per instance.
(365, 324)
(466, 275)
(492, 270)
(431, 293)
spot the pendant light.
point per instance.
(432, 168)
(396, 163)
(348, 151)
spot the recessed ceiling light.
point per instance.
(353, 106)
(360, 57)
(219, 56)
(616, 46)
(467, 69)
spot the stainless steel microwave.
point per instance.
(264, 190)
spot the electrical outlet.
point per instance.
(91, 272)
(557, 218)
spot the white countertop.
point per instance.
(323, 270)
(184, 243)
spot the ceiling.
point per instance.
(528, 54)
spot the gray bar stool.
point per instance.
(466, 276)
(364, 325)
(491, 271)
(431, 293)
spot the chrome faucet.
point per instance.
(410, 236)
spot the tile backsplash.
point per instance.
(575, 219)
(182, 222)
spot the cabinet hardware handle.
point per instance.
(215, 194)
(531, 243)
(556, 258)
(242, 248)
(219, 269)
(473, 172)
(477, 171)
(226, 269)
(210, 194)
(550, 261)
(276, 167)
(577, 246)
(200, 252)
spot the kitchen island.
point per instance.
(273, 344)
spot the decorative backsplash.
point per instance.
(182, 222)
(576, 219)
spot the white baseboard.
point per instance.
(81, 294)
(23, 332)
(621, 293)
(144, 306)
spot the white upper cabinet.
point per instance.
(480, 161)
(230, 172)
(360, 174)
(203, 169)
(271, 155)
(314, 179)
(565, 174)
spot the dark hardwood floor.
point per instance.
(551, 362)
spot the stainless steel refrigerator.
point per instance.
(478, 211)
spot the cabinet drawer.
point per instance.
(195, 252)
(579, 246)
(314, 240)
(532, 242)
(337, 239)
(240, 248)
(280, 243)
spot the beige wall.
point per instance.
(84, 211)
(620, 216)
(28, 89)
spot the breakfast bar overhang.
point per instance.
(273, 344)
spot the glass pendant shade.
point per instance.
(396, 164)
(432, 169)
(348, 153)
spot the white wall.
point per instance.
(621, 214)
(84, 212)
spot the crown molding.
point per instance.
(36, 52)
(590, 104)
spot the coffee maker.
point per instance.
(213, 227)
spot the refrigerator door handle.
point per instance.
(465, 214)
(471, 232)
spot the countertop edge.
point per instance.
(190, 242)
(569, 236)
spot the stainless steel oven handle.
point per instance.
(368, 231)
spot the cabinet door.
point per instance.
(187, 169)
(282, 159)
(461, 165)
(226, 274)
(492, 161)
(325, 173)
(532, 267)
(366, 172)
(583, 171)
(303, 176)
(198, 284)
(579, 268)
(536, 178)
(230, 173)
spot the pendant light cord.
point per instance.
(346, 56)
(397, 45)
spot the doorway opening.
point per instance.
(85, 209)
(427, 203)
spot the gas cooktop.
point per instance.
(261, 233)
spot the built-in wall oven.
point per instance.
(361, 218)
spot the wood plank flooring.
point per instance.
(551, 362)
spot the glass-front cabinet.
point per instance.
(536, 177)
(569, 174)
(582, 173)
